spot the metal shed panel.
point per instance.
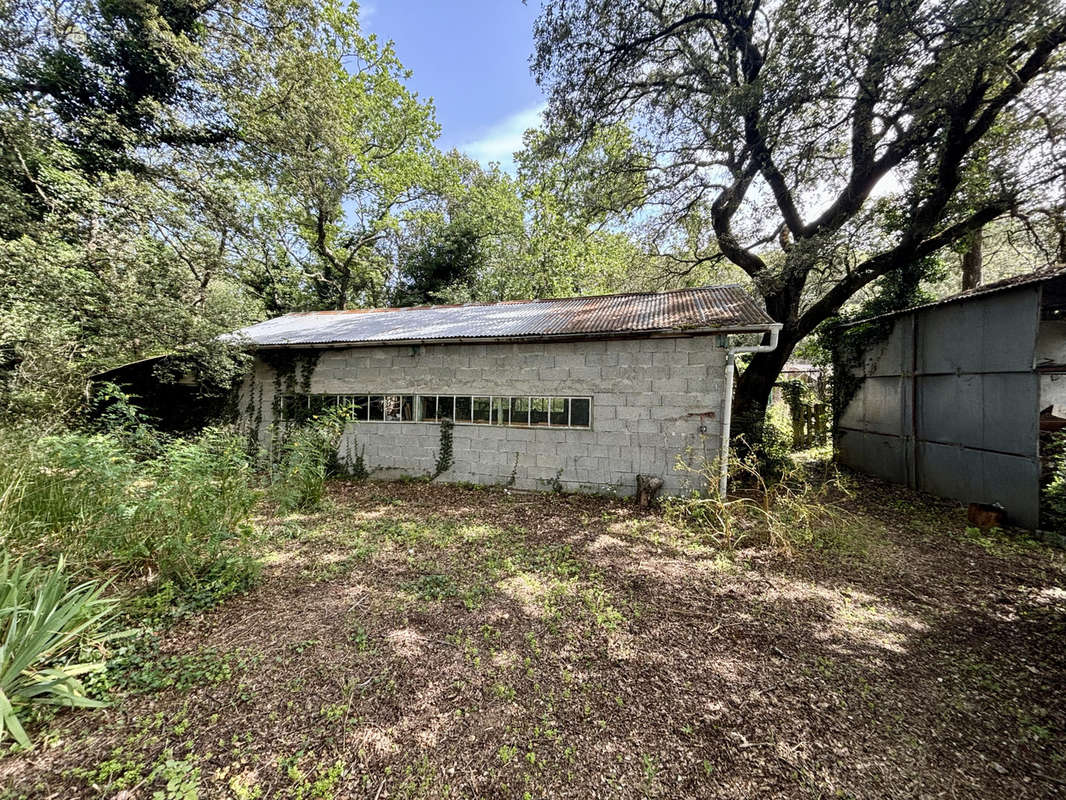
(949, 339)
(994, 333)
(1010, 408)
(883, 456)
(949, 409)
(973, 435)
(882, 406)
(979, 476)
(890, 356)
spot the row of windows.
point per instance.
(556, 412)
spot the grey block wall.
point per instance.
(649, 400)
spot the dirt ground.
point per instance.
(416, 640)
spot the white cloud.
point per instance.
(503, 138)
(367, 10)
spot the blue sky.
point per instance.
(472, 58)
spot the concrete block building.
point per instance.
(580, 393)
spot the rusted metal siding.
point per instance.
(717, 308)
(949, 403)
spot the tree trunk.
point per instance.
(972, 261)
(752, 393)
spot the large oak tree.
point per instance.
(826, 142)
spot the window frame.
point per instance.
(497, 402)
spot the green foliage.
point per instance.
(1053, 494)
(175, 517)
(45, 624)
(445, 266)
(445, 455)
(552, 230)
(305, 454)
(767, 441)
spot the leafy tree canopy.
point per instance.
(824, 143)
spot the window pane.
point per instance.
(287, 407)
(392, 407)
(318, 404)
(482, 406)
(538, 412)
(560, 411)
(501, 411)
(580, 411)
(407, 408)
(301, 408)
(377, 407)
(519, 410)
(352, 406)
(462, 409)
(428, 408)
(445, 407)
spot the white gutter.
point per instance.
(727, 399)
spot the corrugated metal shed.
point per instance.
(949, 401)
(711, 308)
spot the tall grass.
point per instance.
(795, 509)
(89, 498)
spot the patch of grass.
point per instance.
(1001, 543)
(434, 587)
(139, 667)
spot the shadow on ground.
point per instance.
(427, 641)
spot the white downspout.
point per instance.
(727, 399)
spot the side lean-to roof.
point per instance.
(1026, 279)
(709, 309)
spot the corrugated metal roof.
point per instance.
(1025, 279)
(719, 308)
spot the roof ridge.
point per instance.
(513, 302)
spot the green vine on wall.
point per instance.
(293, 371)
(445, 456)
(849, 346)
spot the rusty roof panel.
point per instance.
(719, 308)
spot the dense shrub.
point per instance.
(172, 517)
(306, 456)
(45, 623)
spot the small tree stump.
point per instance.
(647, 488)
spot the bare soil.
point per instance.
(416, 640)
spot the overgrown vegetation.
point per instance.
(306, 455)
(159, 524)
(801, 507)
(147, 509)
(1053, 494)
